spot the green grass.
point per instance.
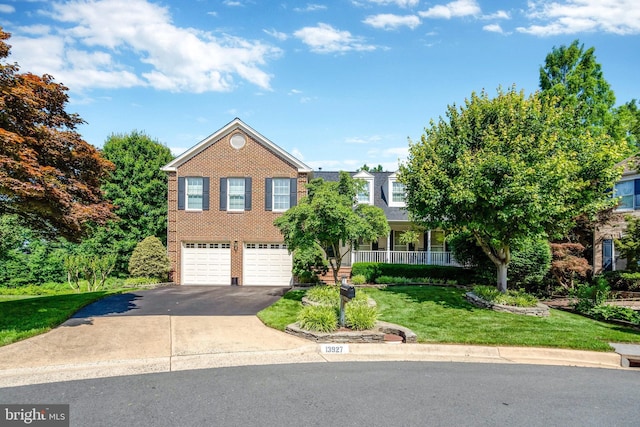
(442, 315)
(284, 311)
(23, 316)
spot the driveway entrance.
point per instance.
(186, 301)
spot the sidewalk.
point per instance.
(95, 347)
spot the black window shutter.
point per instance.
(181, 193)
(268, 194)
(293, 189)
(223, 194)
(247, 194)
(205, 193)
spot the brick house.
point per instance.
(627, 189)
(224, 194)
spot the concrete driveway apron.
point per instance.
(159, 330)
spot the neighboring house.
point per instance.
(383, 190)
(627, 189)
(224, 194)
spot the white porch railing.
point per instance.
(406, 257)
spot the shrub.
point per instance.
(530, 261)
(360, 316)
(622, 280)
(358, 279)
(132, 282)
(512, 297)
(389, 280)
(321, 318)
(608, 312)
(308, 263)
(324, 294)
(568, 263)
(367, 269)
(590, 296)
(149, 259)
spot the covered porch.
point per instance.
(430, 248)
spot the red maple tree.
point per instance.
(49, 176)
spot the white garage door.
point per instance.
(267, 264)
(206, 264)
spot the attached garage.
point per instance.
(267, 264)
(206, 264)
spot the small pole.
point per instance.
(342, 302)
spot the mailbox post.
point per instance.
(346, 293)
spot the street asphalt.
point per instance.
(189, 327)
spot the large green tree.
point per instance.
(138, 190)
(50, 177)
(331, 218)
(507, 169)
(575, 79)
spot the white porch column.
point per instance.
(613, 254)
(353, 255)
(428, 242)
(389, 247)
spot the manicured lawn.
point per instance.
(442, 315)
(23, 317)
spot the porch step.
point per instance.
(328, 278)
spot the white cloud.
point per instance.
(277, 35)
(493, 28)
(455, 9)
(401, 3)
(363, 140)
(387, 21)
(323, 38)
(575, 16)
(7, 8)
(92, 52)
(501, 14)
(310, 8)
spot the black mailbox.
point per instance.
(347, 291)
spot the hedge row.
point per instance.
(372, 270)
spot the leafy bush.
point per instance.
(372, 271)
(367, 269)
(308, 263)
(530, 261)
(512, 297)
(149, 259)
(568, 263)
(608, 312)
(591, 295)
(360, 316)
(321, 318)
(622, 280)
(324, 294)
(132, 282)
(358, 279)
(389, 280)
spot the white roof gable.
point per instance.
(232, 126)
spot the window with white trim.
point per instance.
(625, 191)
(365, 196)
(397, 192)
(194, 193)
(281, 194)
(235, 194)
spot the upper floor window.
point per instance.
(365, 195)
(281, 194)
(628, 193)
(194, 193)
(236, 194)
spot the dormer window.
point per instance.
(397, 192)
(365, 196)
(628, 194)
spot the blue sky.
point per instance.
(336, 83)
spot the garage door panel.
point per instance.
(206, 264)
(267, 264)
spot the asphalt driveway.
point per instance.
(186, 301)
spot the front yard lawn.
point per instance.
(442, 315)
(24, 317)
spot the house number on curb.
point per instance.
(334, 348)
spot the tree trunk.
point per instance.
(502, 277)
